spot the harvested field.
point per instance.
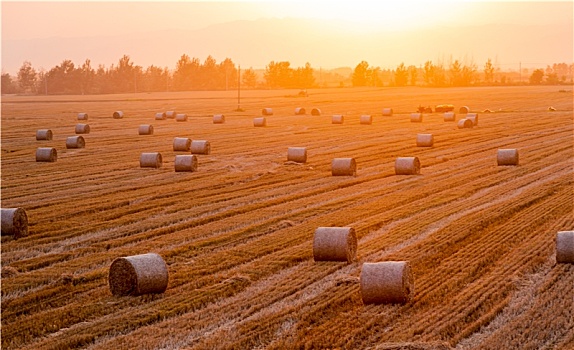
(237, 234)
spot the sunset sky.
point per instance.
(27, 26)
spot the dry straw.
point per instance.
(473, 117)
(564, 246)
(259, 122)
(118, 115)
(150, 160)
(185, 162)
(416, 117)
(344, 167)
(46, 154)
(44, 135)
(463, 110)
(138, 274)
(218, 119)
(387, 112)
(267, 111)
(366, 119)
(449, 117)
(315, 112)
(82, 116)
(507, 156)
(465, 124)
(160, 116)
(300, 111)
(407, 166)
(297, 154)
(386, 282)
(82, 129)
(14, 222)
(425, 140)
(335, 244)
(181, 117)
(337, 119)
(145, 129)
(75, 142)
(170, 114)
(200, 147)
(181, 144)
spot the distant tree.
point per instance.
(536, 77)
(456, 73)
(303, 77)
(8, 85)
(401, 75)
(413, 75)
(227, 75)
(27, 77)
(429, 72)
(87, 76)
(374, 76)
(468, 75)
(552, 79)
(488, 72)
(278, 74)
(249, 78)
(361, 74)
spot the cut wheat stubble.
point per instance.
(138, 274)
(388, 282)
(565, 247)
(335, 244)
(14, 222)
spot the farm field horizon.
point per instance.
(237, 234)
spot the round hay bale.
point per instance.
(170, 114)
(337, 119)
(335, 244)
(160, 116)
(344, 167)
(44, 135)
(507, 156)
(267, 111)
(46, 154)
(181, 117)
(300, 111)
(259, 122)
(463, 110)
(200, 147)
(387, 112)
(118, 115)
(218, 119)
(315, 112)
(387, 282)
(75, 142)
(416, 117)
(14, 222)
(407, 166)
(150, 160)
(181, 144)
(82, 129)
(185, 162)
(138, 274)
(425, 140)
(366, 119)
(145, 129)
(465, 124)
(473, 117)
(82, 116)
(297, 154)
(564, 246)
(449, 117)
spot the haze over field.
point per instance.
(325, 34)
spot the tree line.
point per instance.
(192, 74)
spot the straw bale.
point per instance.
(82, 116)
(387, 112)
(337, 119)
(218, 119)
(75, 142)
(425, 140)
(335, 244)
(200, 147)
(463, 110)
(118, 115)
(170, 114)
(138, 274)
(473, 117)
(300, 111)
(366, 119)
(260, 121)
(507, 156)
(44, 135)
(46, 154)
(145, 129)
(181, 117)
(564, 247)
(150, 160)
(82, 129)
(297, 154)
(416, 117)
(407, 166)
(14, 222)
(160, 116)
(344, 167)
(465, 124)
(185, 162)
(386, 282)
(449, 116)
(315, 112)
(181, 144)
(267, 111)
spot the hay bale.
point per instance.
(463, 110)
(259, 122)
(300, 111)
(386, 282)
(44, 135)
(160, 116)
(118, 115)
(145, 129)
(185, 162)
(181, 117)
(138, 274)
(449, 117)
(150, 160)
(267, 111)
(218, 119)
(82, 129)
(170, 114)
(416, 117)
(335, 244)
(473, 117)
(46, 154)
(14, 222)
(425, 140)
(181, 144)
(407, 166)
(75, 142)
(297, 154)
(564, 246)
(315, 112)
(507, 156)
(366, 119)
(387, 112)
(465, 124)
(344, 167)
(337, 119)
(82, 116)
(200, 147)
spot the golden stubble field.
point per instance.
(237, 234)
